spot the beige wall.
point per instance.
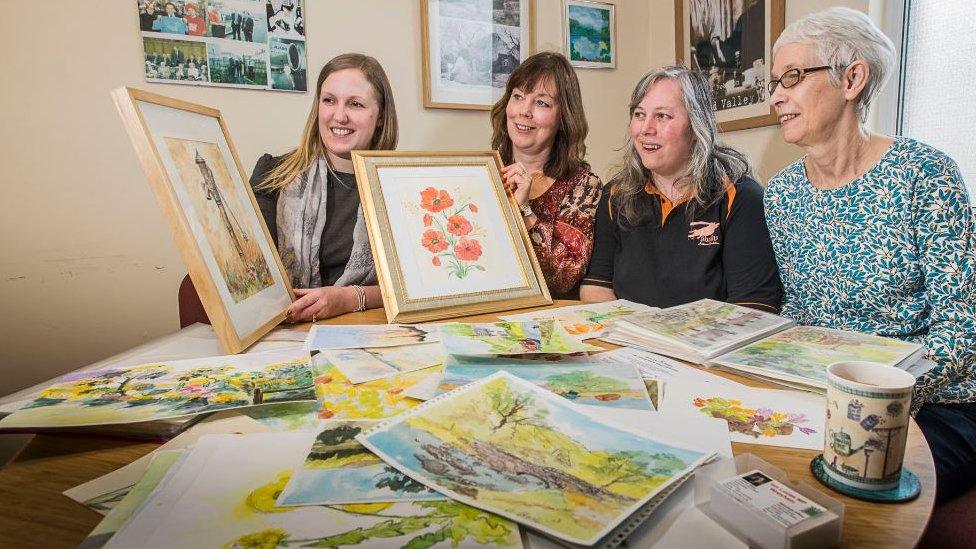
(87, 267)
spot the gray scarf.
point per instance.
(301, 220)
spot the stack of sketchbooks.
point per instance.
(756, 343)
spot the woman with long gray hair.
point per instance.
(683, 219)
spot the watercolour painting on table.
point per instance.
(470, 47)
(445, 238)
(510, 338)
(339, 398)
(361, 365)
(334, 336)
(590, 30)
(228, 497)
(193, 170)
(801, 354)
(791, 419)
(163, 390)
(700, 329)
(589, 320)
(339, 470)
(481, 444)
(610, 385)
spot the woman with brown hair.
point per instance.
(308, 196)
(539, 129)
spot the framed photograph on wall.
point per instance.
(445, 236)
(471, 47)
(731, 41)
(591, 40)
(199, 183)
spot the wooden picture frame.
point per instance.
(739, 93)
(598, 38)
(446, 238)
(477, 75)
(196, 176)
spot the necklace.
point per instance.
(328, 167)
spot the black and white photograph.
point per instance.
(728, 44)
(175, 60)
(471, 47)
(506, 12)
(505, 47)
(286, 18)
(289, 68)
(730, 41)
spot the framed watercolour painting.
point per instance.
(731, 41)
(591, 40)
(445, 237)
(197, 178)
(471, 47)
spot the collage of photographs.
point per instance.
(237, 43)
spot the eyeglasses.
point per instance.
(792, 77)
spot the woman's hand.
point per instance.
(320, 303)
(517, 181)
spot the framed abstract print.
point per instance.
(195, 174)
(731, 42)
(445, 236)
(471, 47)
(589, 28)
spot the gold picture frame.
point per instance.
(445, 236)
(739, 91)
(447, 87)
(196, 176)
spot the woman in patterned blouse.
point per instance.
(872, 233)
(539, 129)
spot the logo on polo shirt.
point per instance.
(704, 232)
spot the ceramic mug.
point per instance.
(867, 424)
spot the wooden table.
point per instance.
(38, 515)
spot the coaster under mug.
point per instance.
(908, 487)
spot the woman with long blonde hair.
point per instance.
(308, 197)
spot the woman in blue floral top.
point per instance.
(872, 233)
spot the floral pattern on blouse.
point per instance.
(563, 235)
(892, 253)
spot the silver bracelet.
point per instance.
(526, 210)
(360, 298)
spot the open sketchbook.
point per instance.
(755, 343)
(800, 355)
(696, 331)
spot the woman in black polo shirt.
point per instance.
(683, 220)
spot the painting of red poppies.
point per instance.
(451, 233)
(445, 236)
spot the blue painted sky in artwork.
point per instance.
(589, 17)
(348, 484)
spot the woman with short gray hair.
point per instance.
(872, 233)
(683, 219)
